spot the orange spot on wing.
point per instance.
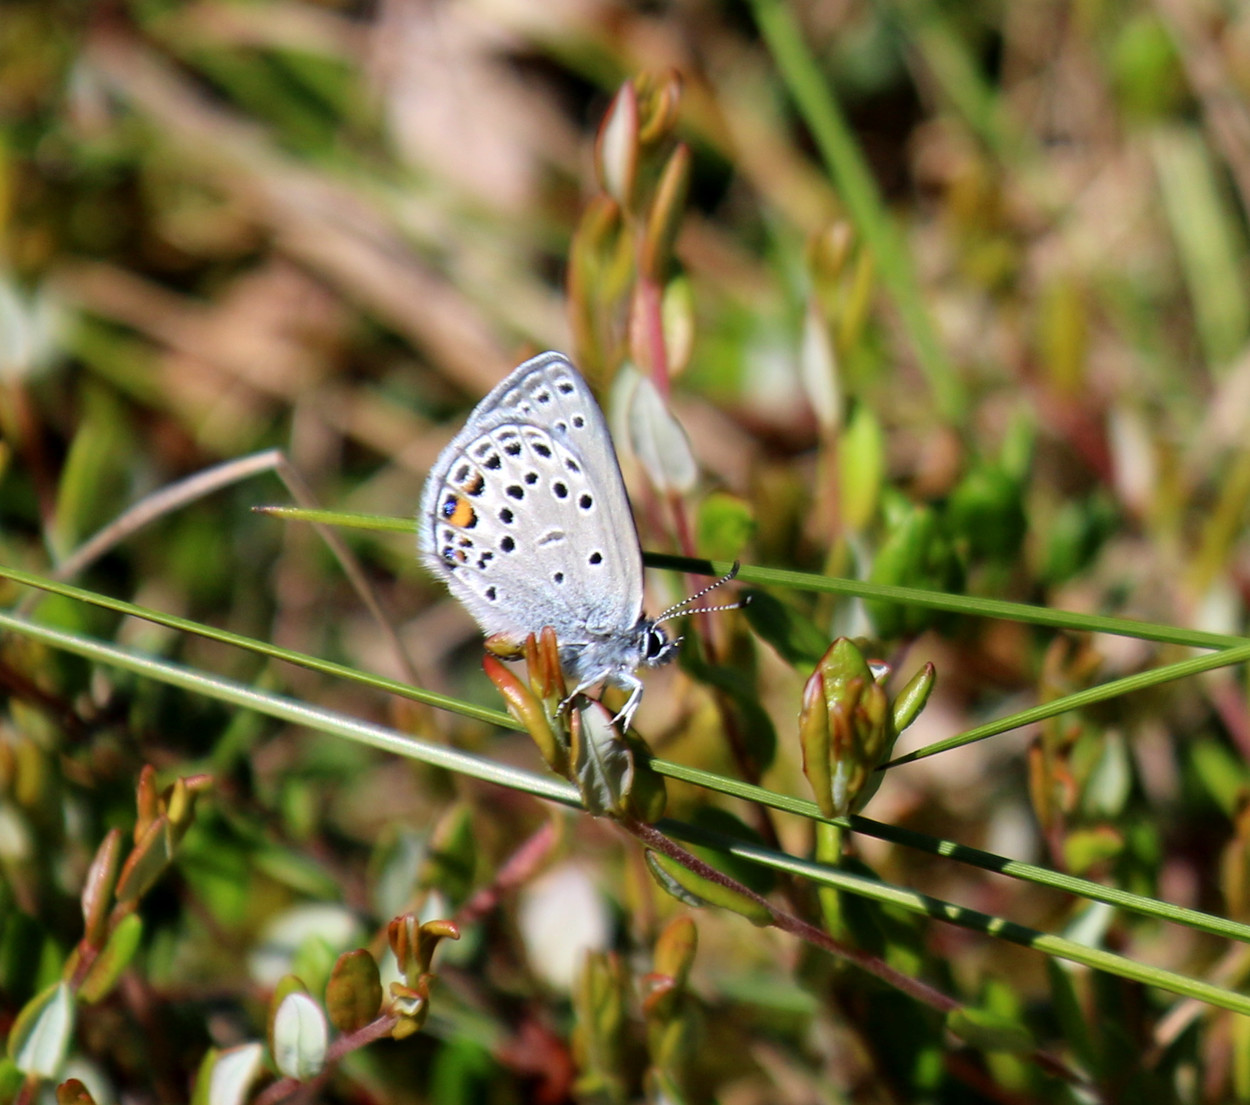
(464, 514)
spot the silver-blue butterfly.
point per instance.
(525, 516)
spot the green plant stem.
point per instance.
(661, 841)
(857, 189)
(968, 605)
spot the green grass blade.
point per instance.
(298, 713)
(262, 648)
(959, 604)
(1075, 701)
(391, 740)
(962, 853)
(383, 523)
(929, 906)
(970, 605)
(746, 791)
(858, 190)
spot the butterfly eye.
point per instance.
(656, 644)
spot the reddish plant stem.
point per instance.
(874, 965)
(650, 303)
(517, 869)
(921, 991)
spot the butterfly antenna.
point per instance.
(680, 608)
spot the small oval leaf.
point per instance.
(300, 1037)
(659, 442)
(697, 890)
(97, 891)
(73, 1092)
(40, 1036)
(791, 633)
(664, 220)
(603, 764)
(232, 1074)
(616, 151)
(354, 992)
(989, 1031)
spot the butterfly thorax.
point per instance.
(613, 655)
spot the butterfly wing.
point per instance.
(525, 513)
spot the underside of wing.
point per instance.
(526, 515)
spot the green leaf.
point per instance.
(120, 949)
(90, 478)
(1068, 1011)
(612, 770)
(794, 636)
(1110, 783)
(300, 1037)
(462, 1071)
(39, 1038)
(600, 999)
(616, 147)
(752, 875)
(11, 1079)
(1146, 71)
(671, 885)
(225, 1077)
(1218, 772)
(724, 527)
(861, 467)
(1084, 849)
(451, 857)
(915, 554)
(1240, 1028)
(668, 206)
(989, 1031)
(695, 890)
(97, 891)
(1075, 534)
(986, 513)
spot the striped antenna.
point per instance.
(680, 608)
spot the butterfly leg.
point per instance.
(632, 684)
(625, 681)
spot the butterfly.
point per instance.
(525, 517)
